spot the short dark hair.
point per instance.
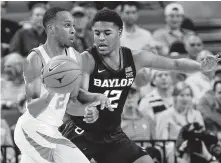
(108, 15)
(51, 14)
(215, 84)
(129, 3)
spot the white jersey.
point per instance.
(54, 113)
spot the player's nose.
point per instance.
(101, 37)
(72, 30)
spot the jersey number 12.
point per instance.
(115, 95)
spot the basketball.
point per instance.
(61, 74)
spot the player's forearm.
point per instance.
(186, 65)
(38, 105)
(87, 97)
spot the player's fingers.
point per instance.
(86, 120)
(89, 120)
(102, 105)
(218, 59)
(89, 109)
(88, 115)
(92, 113)
(95, 103)
(108, 104)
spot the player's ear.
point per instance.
(50, 28)
(120, 32)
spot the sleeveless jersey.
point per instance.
(54, 113)
(115, 85)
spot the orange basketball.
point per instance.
(62, 74)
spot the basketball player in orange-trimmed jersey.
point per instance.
(36, 133)
(111, 69)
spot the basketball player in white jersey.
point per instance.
(36, 133)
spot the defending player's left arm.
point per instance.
(184, 65)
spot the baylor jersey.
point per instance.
(115, 85)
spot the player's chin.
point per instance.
(103, 52)
(68, 43)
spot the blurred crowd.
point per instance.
(161, 105)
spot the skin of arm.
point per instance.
(150, 60)
(32, 72)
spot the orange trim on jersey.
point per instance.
(45, 152)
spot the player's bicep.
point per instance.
(86, 68)
(85, 81)
(33, 89)
(32, 72)
(32, 67)
(88, 64)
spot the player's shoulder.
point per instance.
(126, 49)
(34, 59)
(32, 66)
(87, 54)
(88, 61)
(77, 54)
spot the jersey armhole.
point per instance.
(130, 59)
(37, 51)
(35, 73)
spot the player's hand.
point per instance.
(91, 113)
(104, 102)
(210, 62)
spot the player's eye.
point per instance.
(107, 33)
(67, 25)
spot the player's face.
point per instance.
(174, 19)
(184, 99)
(106, 37)
(129, 14)
(163, 80)
(63, 28)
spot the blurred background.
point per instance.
(174, 116)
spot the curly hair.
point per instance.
(107, 15)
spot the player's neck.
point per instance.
(114, 55)
(53, 49)
(113, 59)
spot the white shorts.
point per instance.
(42, 142)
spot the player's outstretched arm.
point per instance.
(32, 72)
(150, 60)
